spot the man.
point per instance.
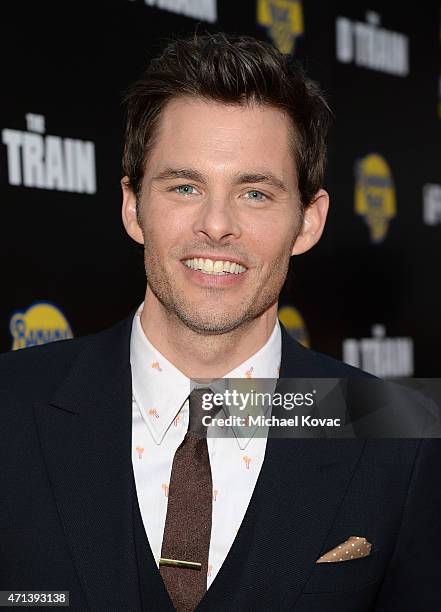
(108, 491)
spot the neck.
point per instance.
(203, 356)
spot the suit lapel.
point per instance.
(85, 433)
(299, 490)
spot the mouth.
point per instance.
(214, 267)
(214, 273)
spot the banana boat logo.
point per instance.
(41, 323)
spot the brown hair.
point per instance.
(234, 70)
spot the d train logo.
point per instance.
(39, 324)
(284, 21)
(371, 46)
(382, 356)
(375, 195)
(294, 324)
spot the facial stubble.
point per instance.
(204, 318)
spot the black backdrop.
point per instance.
(67, 265)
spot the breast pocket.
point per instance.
(331, 577)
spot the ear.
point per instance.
(128, 212)
(313, 223)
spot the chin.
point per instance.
(210, 326)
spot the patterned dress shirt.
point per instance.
(159, 424)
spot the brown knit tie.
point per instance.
(188, 522)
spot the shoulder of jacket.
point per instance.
(32, 373)
(339, 369)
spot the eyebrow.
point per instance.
(191, 174)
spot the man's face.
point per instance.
(220, 184)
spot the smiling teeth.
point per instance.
(208, 266)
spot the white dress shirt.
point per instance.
(159, 423)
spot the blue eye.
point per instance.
(185, 189)
(255, 192)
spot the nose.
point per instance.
(217, 219)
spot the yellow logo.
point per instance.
(284, 21)
(294, 323)
(39, 324)
(375, 195)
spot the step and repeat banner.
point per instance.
(368, 293)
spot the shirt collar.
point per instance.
(160, 389)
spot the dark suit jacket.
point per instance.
(67, 503)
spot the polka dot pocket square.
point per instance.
(354, 548)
